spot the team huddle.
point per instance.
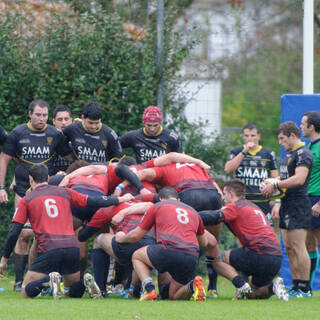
(158, 211)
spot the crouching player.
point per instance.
(178, 230)
(48, 209)
(260, 255)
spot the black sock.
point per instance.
(121, 274)
(77, 289)
(20, 262)
(238, 282)
(304, 285)
(295, 284)
(100, 263)
(212, 275)
(34, 288)
(137, 289)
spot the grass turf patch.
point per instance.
(12, 306)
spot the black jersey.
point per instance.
(60, 163)
(3, 136)
(255, 167)
(33, 146)
(148, 147)
(100, 146)
(301, 156)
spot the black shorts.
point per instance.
(295, 213)
(202, 199)
(62, 260)
(124, 251)
(262, 267)
(181, 266)
(315, 222)
(85, 214)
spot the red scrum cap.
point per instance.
(152, 114)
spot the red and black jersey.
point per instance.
(183, 176)
(33, 146)
(104, 215)
(148, 147)
(48, 209)
(100, 146)
(251, 227)
(94, 182)
(177, 226)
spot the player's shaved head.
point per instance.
(167, 193)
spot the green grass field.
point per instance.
(12, 306)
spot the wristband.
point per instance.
(120, 186)
(277, 201)
(1, 187)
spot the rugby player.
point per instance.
(295, 211)
(33, 142)
(129, 215)
(152, 140)
(178, 230)
(253, 163)
(260, 255)
(195, 188)
(310, 127)
(104, 182)
(48, 209)
(91, 140)
(61, 119)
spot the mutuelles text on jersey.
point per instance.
(255, 167)
(31, 146)
(99, 146)
(148, 147)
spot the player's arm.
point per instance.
(178, 157)
(146, 174)
(133, 236)
(84, 171)
(125, 173)
(4, 161)
(10, 244)
(137, 208)
(233, 164)
(297, 180)
(86, 232)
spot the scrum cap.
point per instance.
(152, 114)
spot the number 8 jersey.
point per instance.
(177, 226)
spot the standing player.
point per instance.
(295, 210)
(91, 140)
(152, 140)
(253, 163)
(310, 127)
(33, 142)
(260, 255)
(178, 230)
(61, 119)
(48, 208)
